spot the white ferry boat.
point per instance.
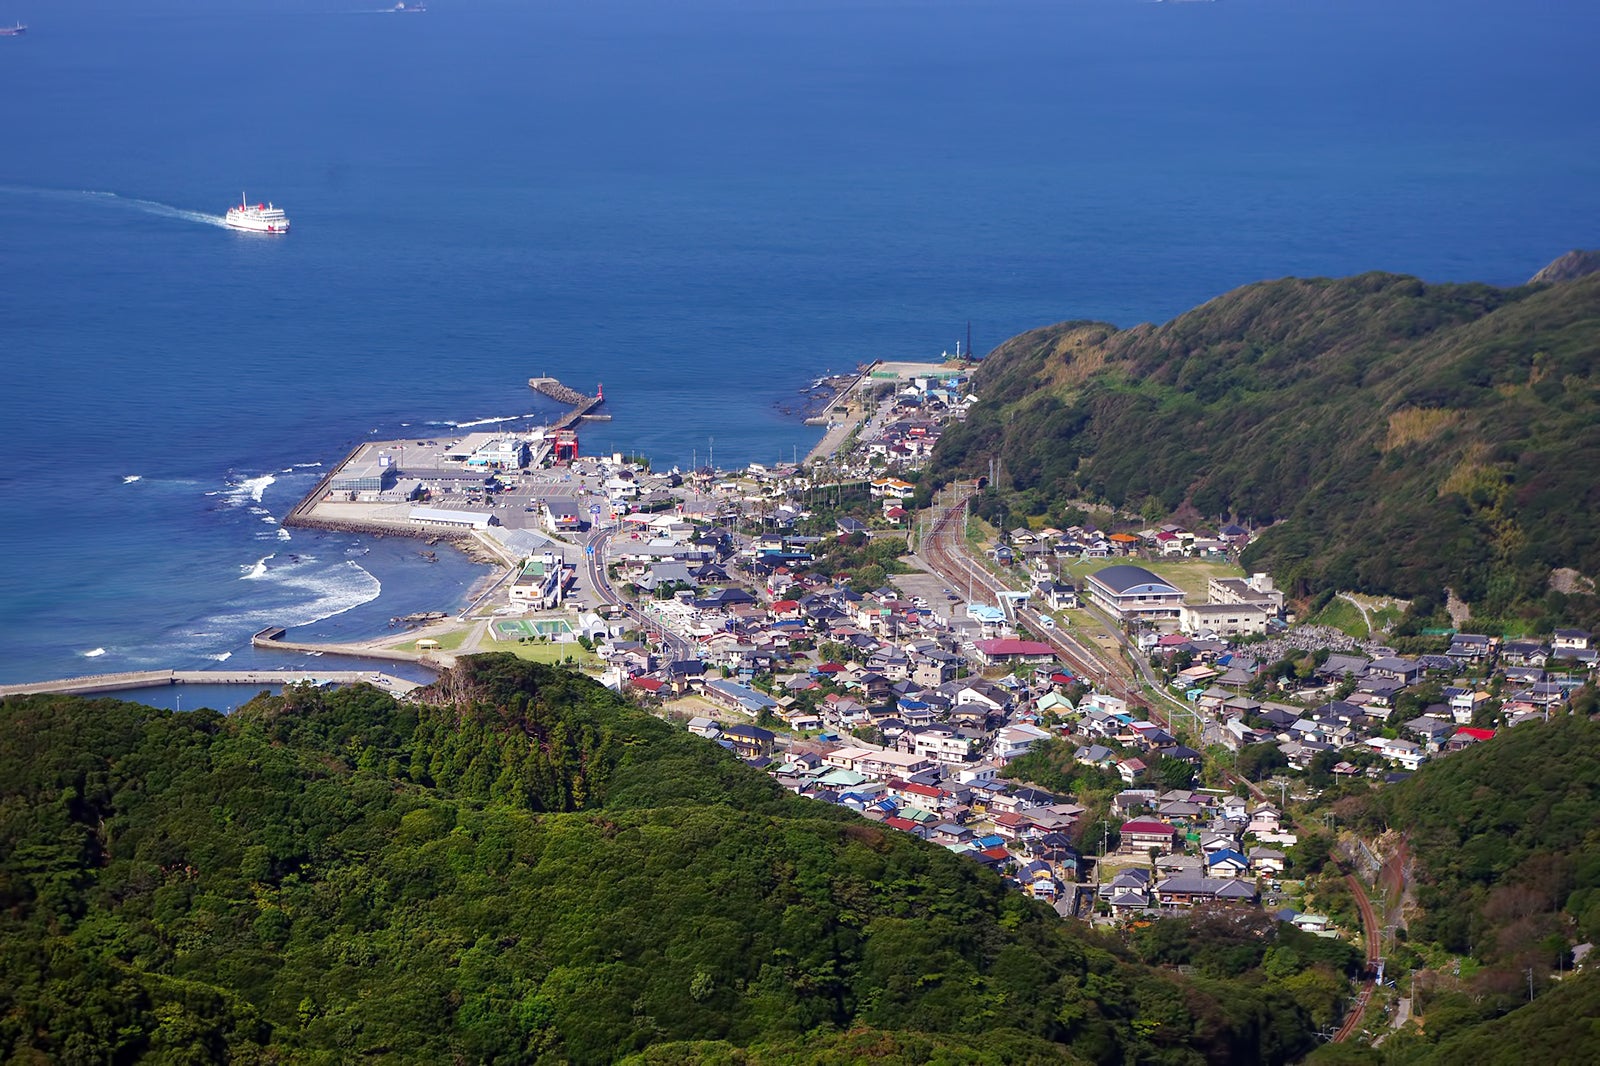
(257, 218)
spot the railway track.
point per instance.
(1370, 929)
(943, 549)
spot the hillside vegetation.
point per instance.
(528, 869)
(1397, 437)
(1504, 840)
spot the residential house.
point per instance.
(1188, 890)
(1227, 863)
(748, 741)
(1268, 861)
(1016, 740)
(1139, 836)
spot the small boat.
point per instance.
(13, 31)
(257, 218)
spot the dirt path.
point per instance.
(1366, 619)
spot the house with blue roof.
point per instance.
(1227, 862)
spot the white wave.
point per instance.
(328, 591)
(221, 657)
(248, 489)
(292, 467)
(269, 520)
(93, 654)
(283, 534)
(259, 570)
(129, 479)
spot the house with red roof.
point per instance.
(1007, 651)
(1142, 834)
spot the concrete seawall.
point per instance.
(272, 639)
(101, 683)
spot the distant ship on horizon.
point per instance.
(257, 218)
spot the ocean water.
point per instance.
(703, 204)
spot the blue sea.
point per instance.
(701, 204)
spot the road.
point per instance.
(944, 551)
(674, 647)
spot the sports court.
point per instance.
(511, 629)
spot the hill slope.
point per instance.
(534, 872)
(1398, 437)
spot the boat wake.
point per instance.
(485, 421)
(160, 210)
(149, 207)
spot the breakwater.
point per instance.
(557, 391)
(136, 679)
(582, 406)
(272, 638)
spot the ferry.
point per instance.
(260, 218)
(13, 31)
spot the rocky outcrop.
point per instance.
(1575, 264)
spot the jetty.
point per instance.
(92, 684)
(582, 406)
(271, 638)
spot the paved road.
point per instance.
(674, 646)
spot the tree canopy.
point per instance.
(1453, 426)
(522, 867)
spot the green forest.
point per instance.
(1504, 842)
(1390, 436)
(522, 867)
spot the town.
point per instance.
(1115, 717)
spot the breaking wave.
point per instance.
(300, 592)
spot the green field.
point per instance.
(447, 641)
(1190, 575)
(556, 654)
(1342, 615)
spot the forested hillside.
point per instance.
(1397, 437)
(1504, 840)
(532, 871)
(1506, 837)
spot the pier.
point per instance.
(582, 406)
(93, 684)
